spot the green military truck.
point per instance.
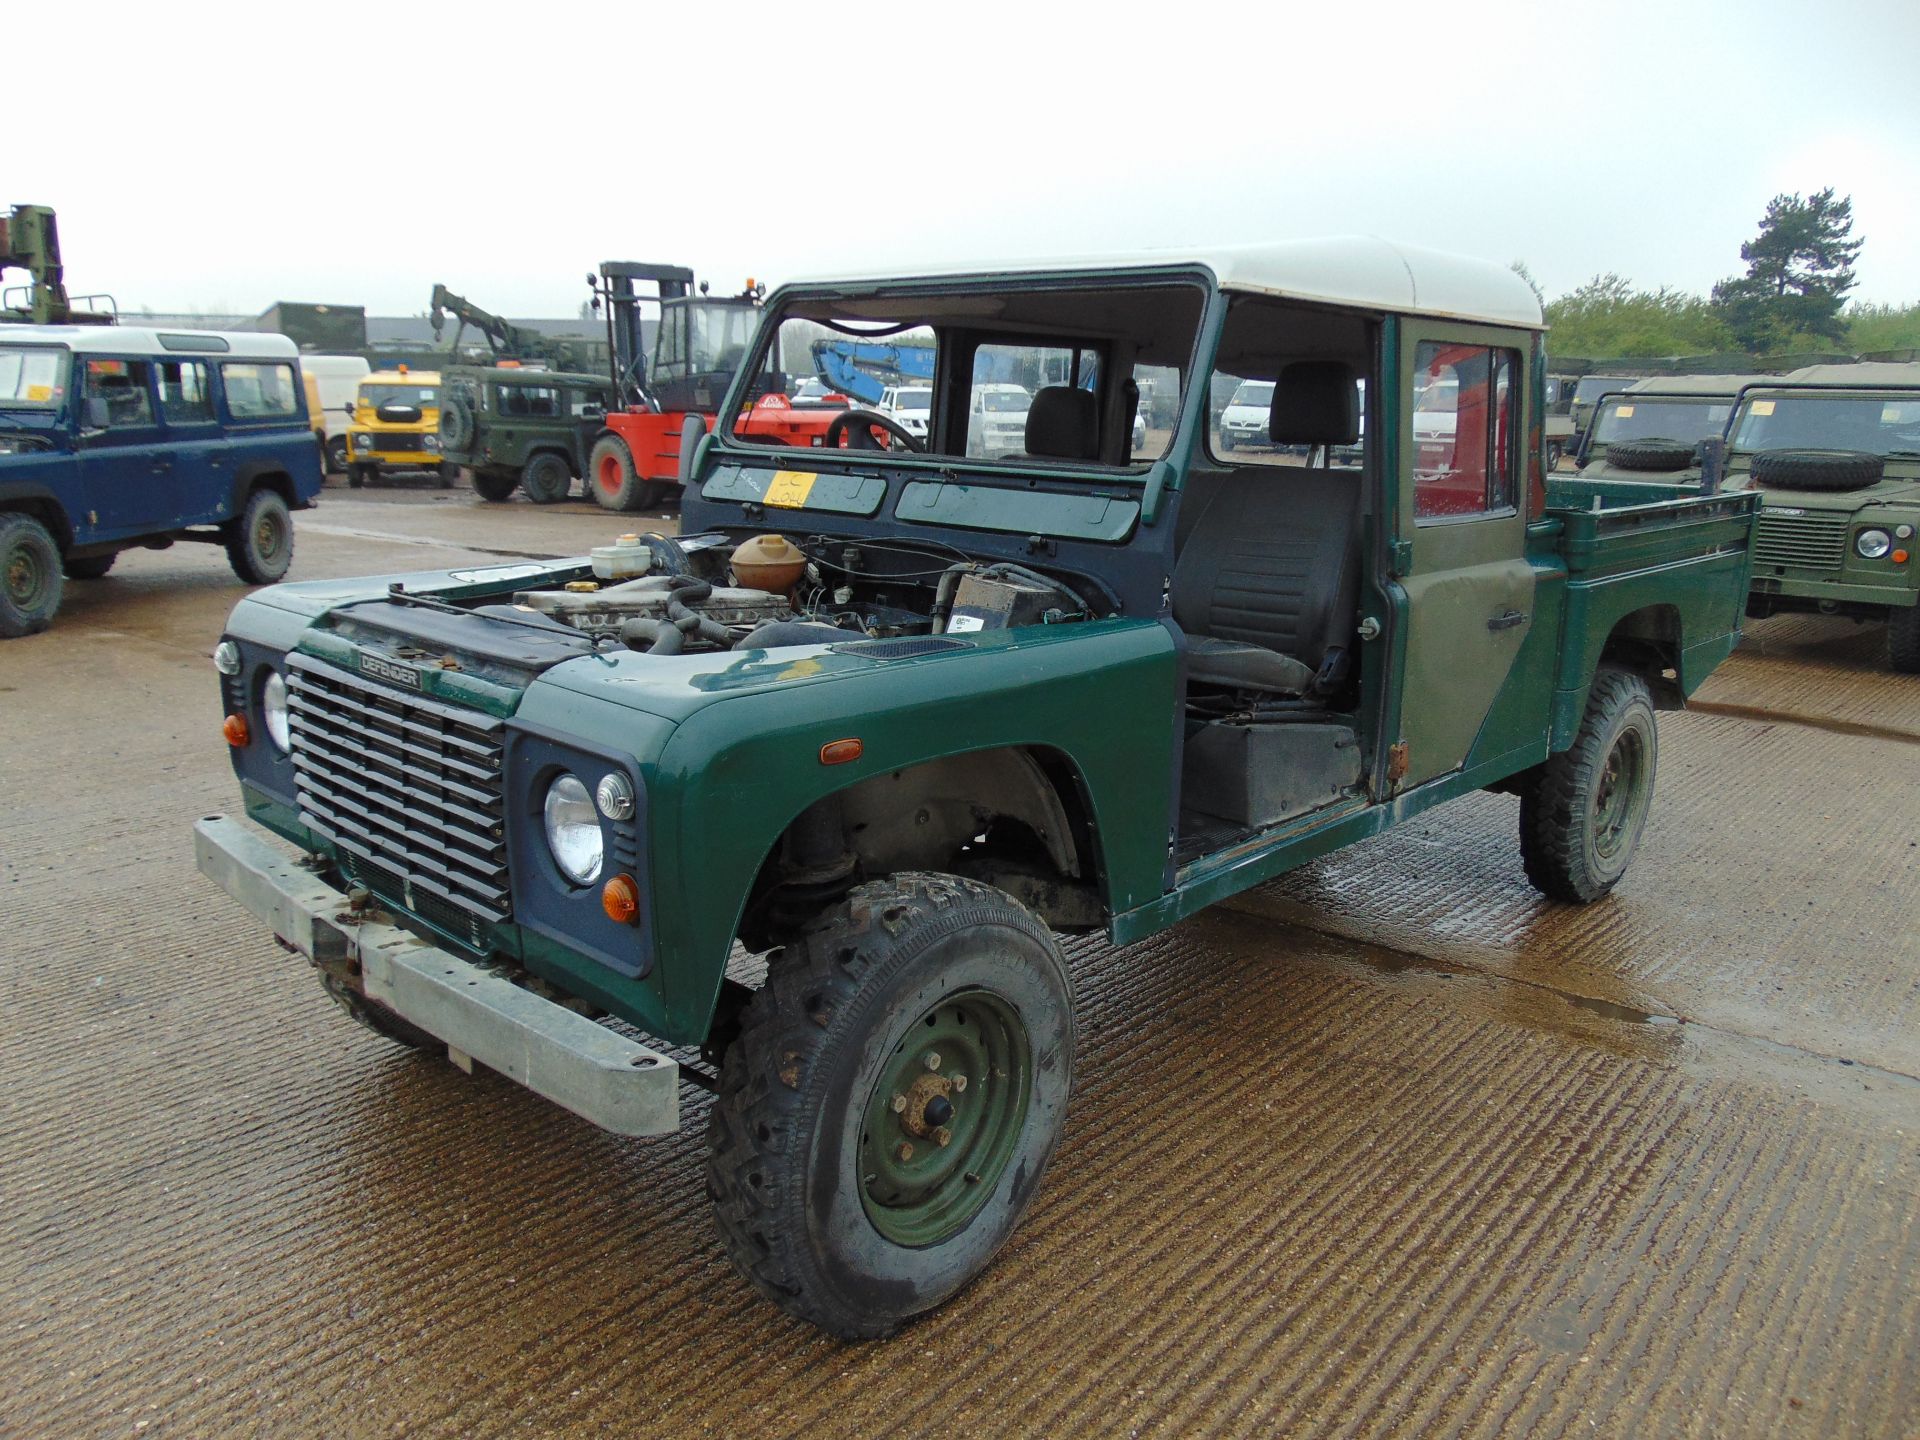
(1657, 429)
(513, 428)
(1834, 452)
(894, 718)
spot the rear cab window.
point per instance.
(1464, 442)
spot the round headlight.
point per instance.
(363, 441)
(432, 442)
(226, 658)
(273, 709)
(573, 829)
(1872, 544)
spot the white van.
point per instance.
(911, 405)
(338, 378)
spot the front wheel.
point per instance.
(545, 479)
(30, 580)
(887, 1112)
(1903, 639)
(260, 542)
(1582, 810)
(359, 475)
(615, 482)
(337, 457)
(448, 473)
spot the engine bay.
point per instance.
(663, 596)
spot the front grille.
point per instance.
(407, 787)
(1808, 542)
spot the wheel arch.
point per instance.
(40, 503)
(1650, 643)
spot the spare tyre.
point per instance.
(1653, 456)
(1817, 469)
(456, 421)
(398, 412)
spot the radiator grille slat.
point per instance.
(409, 788)
(1805, 542)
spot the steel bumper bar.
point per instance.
(617, 1083)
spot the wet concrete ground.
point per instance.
(1390, 1145)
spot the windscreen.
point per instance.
(1887, 425)
(33, 377)
(378, 395)
(1688, 421)
(1080, 375)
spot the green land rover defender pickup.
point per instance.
(1834, 453)
(890, 719)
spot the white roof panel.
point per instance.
(1361, 271)
(144, 340)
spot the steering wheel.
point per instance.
(856, 427)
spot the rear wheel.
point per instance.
(260, 541)
(494, 486)
(1903, 639)
(887, 1112)
(1582, 810)
(337, 455)
(93, 567)
(30, 581)
(545, 479)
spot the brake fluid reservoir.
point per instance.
(628, 558)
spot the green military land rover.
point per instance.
(514, 428)
(1834, 451)
(893, 718)
(1657, 429)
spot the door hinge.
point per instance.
(1396, 763)
(1402, 557)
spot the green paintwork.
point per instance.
(502, 443)
(727, 745)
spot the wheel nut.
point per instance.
(905, 1152)
(933, 1060)
(959, 1083)
(943, 1135)
(899, 1103)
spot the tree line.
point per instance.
(1792, 297)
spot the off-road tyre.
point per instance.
(612, 477)
(377, 1017)
(1582, 811)
(1554, 452)
(260, 539)
(456, 420)
(803, 1145)
(93, 567)
(545, 480)
(30, 577)
(447, 472)
(339, 460)
(1903, 639)
(491, 485)
(1226, 442)
(359, 475)
(1817, 469)
(1657, 457)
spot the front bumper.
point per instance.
(617, 1083)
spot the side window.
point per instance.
(122, 386)
(184, 397)
(1464, 412)
(260, 392)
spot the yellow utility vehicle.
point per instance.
(396, 426)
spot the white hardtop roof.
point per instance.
(1868, 375)
(1361, 271)
(141, 340)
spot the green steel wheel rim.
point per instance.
(1620, 794)
(27, 578)
(944, 1118)
(269, 535)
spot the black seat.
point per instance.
(1064, 423)
(1267, 581)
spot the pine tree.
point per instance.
(1799, 270)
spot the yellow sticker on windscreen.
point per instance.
(1763, 407)
(1890, 415)
(40, 394)
(789, 490)
(1625, 412)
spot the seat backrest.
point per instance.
(1064, 423)
(1274, 560)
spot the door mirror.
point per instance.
(98, 415)
(693, 430)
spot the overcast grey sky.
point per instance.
(262, 153)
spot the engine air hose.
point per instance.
(669, 636)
